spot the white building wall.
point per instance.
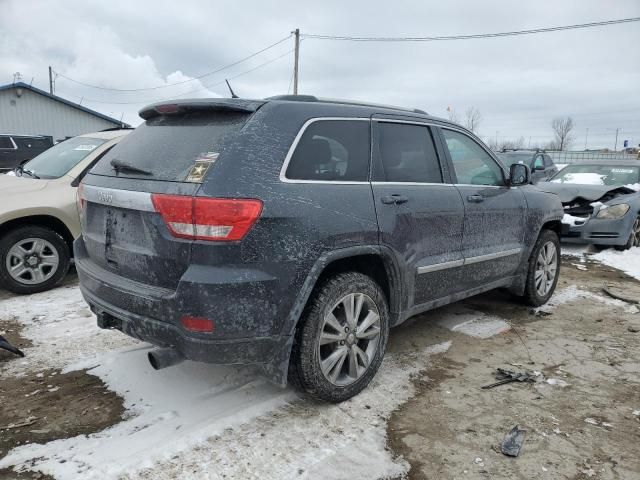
(35, 114)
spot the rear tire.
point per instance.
(336, 353)
(33, 259)
(544, 269)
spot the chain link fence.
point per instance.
(565, 157)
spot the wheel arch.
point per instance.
(555, 225)
(371, 260)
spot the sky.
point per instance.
(519, 84)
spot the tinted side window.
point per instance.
(335, 150)
(408, 154)
(472, 164)
(547, 161)
(5, 142)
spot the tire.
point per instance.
(41, 245)
(536, 294)
(345, 379)
(634, 237)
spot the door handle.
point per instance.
(475, 198)
(394, 199)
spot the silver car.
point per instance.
(601, 203)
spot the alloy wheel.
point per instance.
(349, 339)
(546, 268)
(32, 261)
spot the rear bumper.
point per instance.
(599, 232)
(244, 312)
(219, 351)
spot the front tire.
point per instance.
(543, 270)
(634, 237)
(341, 338)
(33, 259)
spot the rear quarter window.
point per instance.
(171, 147)
(332, 150)
(6, 143)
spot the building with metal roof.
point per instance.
(27, 110)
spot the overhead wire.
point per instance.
(469, 37)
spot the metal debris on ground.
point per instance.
(5, 345)
(507, 376)
(513, 441)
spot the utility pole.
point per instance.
(50, 80)
(295, 65)
(586, 137)
(615, 149)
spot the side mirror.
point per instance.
(519, 174)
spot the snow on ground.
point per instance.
(473, 323)
(573, 293)
(627, 261)
(576, 250)
(61, 327)
(192, 413)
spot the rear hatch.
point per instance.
(136, 203)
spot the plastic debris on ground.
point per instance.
(513, 441)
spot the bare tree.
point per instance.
(472, 119)
(562, 130)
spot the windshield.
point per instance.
(598, 175)
(61, 158)
(509, 159)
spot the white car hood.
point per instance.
(11, 184)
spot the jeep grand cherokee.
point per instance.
(292, 233)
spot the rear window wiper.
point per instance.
(120, 166)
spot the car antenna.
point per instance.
(233, 95)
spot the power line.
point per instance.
(204, 87)
(469, 37)
(177, 83)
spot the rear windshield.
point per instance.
(172, 148)
(58, 160)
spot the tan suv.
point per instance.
(38, 214)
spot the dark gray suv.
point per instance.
(291, 233)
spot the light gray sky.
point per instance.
(518, 83)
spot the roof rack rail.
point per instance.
(312, 98)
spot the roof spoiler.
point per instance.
(178, 107)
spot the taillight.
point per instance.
(214, 219)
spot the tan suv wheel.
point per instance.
(32, 259)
